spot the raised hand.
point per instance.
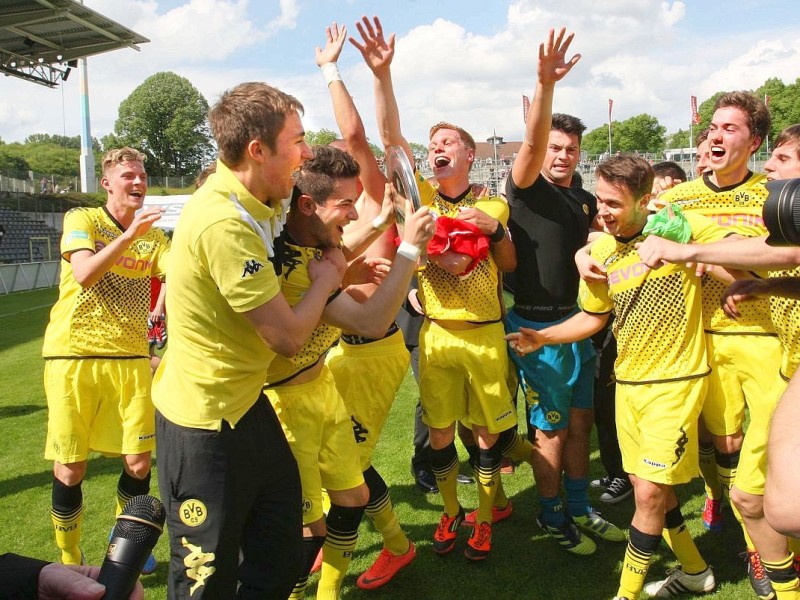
(552, 57)
(335, 36)
(143, 221)
(377, 52)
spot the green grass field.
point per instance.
(524, 563)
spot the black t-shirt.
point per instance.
(548, 224)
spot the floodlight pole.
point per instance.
(88, 183)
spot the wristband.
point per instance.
(380, 223)
(498, 234)
(409, 251)
(330, 71)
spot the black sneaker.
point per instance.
(617, 490)
(758, 577)
(465, 479)
(603, 482)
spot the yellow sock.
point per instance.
(66, 513)
(727, 465)
(500, 498)
(519, 449)
(751, 547)
(783, 578)
(337, 551)
(680, 541)
(299, 589)
(385, 520)
(326, 501)
(634, 570)
(488, 472)
(68, 534)
(708, 469)
(446, 479)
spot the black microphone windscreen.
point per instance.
(141, 510)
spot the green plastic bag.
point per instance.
(669, 223)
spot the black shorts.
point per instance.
(228, 491)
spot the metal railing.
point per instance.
(21, 277)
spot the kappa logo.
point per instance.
(251, 267)
(196, 563)
(192, 513)
(553, 417)
(359, 431)
(680, 446)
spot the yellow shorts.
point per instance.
(320, 434)
(657, 429)
(744, 372)
(100, 404)
(751, 474)
(462, 377)
(368, 377)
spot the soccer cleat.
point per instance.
(386, 566)
(480, 542)
(444, 538)
(617, 490)
(679, 582)
(465, 479)
(569, 538)
(149, 565)
(593, 523)
(603, 482)
(498, 514)
(712, 514)
(757, 575)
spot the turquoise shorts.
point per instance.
(555, 378)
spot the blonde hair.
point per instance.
(117, 156)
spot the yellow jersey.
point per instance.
(107, 319)
(449, 297)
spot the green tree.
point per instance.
(681, 138)
(323, 137)
(13, 166)
(706, 110)
(596, 141)
(165, 117)
(641, 133)
(47, 158)
(62, 141)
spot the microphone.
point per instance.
(134, 536)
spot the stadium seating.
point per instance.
(17, 244)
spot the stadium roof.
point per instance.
(40, 40)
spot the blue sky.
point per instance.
(465, 61)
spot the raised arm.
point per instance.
(733, 252)
(347, 118)
(378, 54)
(88, 267)
(552, 68)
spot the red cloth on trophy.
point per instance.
(461, 237)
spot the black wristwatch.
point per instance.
(498, 234)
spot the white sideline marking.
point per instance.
(19, 312)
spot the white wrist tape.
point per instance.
(409, 251)
(380, 223)
(330, 71)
